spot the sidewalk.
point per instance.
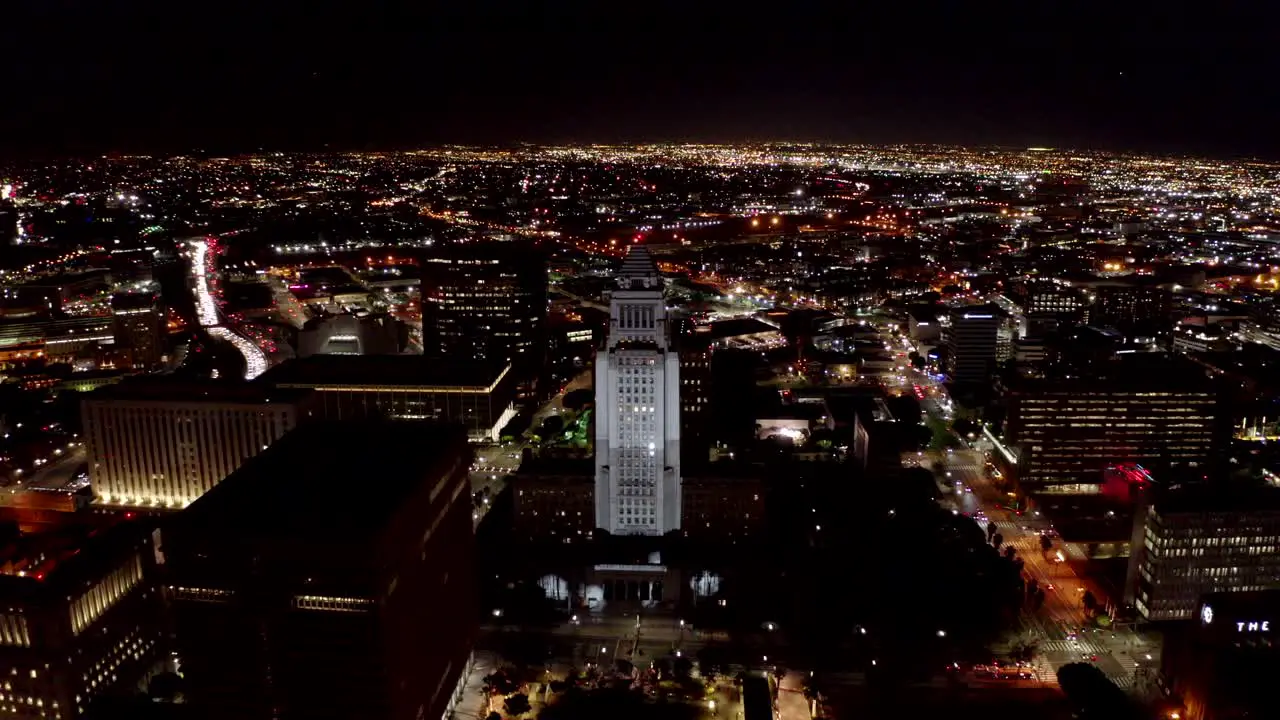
(474, 702)
(792, 704)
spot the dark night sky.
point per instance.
(82, 75)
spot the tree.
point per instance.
(500, 683)
(578, 399)
(1093, 694)
(495, 715)
(1046, 543)
(683, 666)
(552, 426)
(517, 704)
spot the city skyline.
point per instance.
(1174, 77)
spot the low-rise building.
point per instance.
(479, 396)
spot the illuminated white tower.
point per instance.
(638, 408)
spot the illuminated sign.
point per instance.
(1206, 614)
(1254, 626)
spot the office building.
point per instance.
(479, 396)
(553, 500)
(1202, 539)
(162, 444)
(485, 302)
(139, 327)
(1152, 409)
(722, 502)
(80, 616)
(695, 351)
(300, 592)
(971, 339)
(637, 378)
(1221, 665)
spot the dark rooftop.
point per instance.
(371, 370)
(1135, 371)
(61, 560)
(734, 328)
(1214, 497)
(315, 480)
(185, 390)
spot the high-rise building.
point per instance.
(139, 327)
(1202, 539)
(637, 380)
(1153, 409)
(81, 616)
(695, 391)
(162, 444)
(485, 302)
(972, 339)
(299, 594)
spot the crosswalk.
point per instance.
(1076, 647)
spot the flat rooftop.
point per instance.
(331, 479)
(144, 388)
(60, 560)
(1217, 497)
(383, 370)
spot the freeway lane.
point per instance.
(205, 287)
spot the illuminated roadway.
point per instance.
(210, 316)
(1059, 629)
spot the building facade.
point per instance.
(972, 339)
(139, 327)
(161, 444)
(1150, 411)
(80, 620)
(637, 380)
(485, 302)
(479, 396)
(1202, 541)
(295, 597)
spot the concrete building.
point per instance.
(161, 444)
(82, 617)
(479, 396)
(723, 503)
(553, 500)
(140, 328)
(1156, 410)
(1200, 540)
(1221, 666)
(485, 302)
(637, 381)
(971, 339)
(298, 595)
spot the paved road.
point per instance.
(1060, 628)
(494, 462)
